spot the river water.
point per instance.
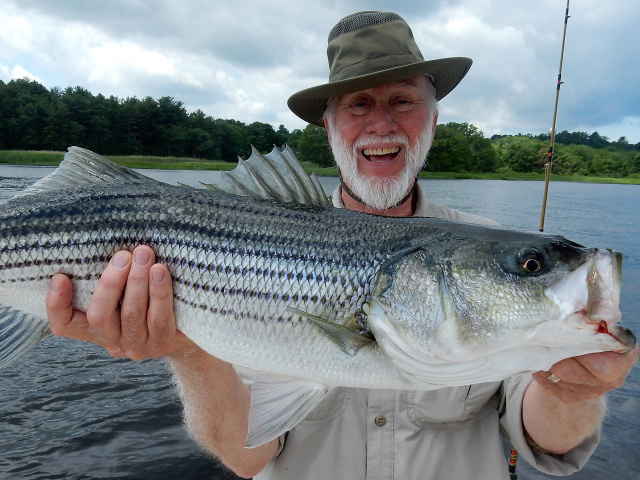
(69, 411)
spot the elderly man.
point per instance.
(380, 109)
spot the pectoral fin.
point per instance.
(348, 340)
(278, 404)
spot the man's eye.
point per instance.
(403, 105)
(360, 108)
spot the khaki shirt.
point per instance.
(448, 434)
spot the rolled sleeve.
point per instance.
(511, 425)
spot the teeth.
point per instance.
(380, 151)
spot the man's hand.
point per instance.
(587, 377)
(564, 405)
(130, 314)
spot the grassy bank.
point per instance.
(528, 176)
(22, 157)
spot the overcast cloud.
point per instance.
(242, 59)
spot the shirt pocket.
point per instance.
(437, 406)
(449, 404)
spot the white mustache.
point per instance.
(371, 139)
(380, 193)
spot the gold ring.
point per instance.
(553, 379)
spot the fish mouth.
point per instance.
(590, 296)
(622, 334)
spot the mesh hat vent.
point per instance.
(361, 20)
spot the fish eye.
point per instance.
(531, 260)
(532, 265)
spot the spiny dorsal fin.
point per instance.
(81, 167)
(277, 175)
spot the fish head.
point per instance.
(500, 296)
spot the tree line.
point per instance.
(33, 117)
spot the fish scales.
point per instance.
(309, 296)
(241, 260)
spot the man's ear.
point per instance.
(435, 122)
(326, 127)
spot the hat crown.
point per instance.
(369, 42)
(369, 49)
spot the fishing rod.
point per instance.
(513, 462)
(553, 127)
(513, 459)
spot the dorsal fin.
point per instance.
(276, 175)
(81, 167)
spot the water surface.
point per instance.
(69, 411)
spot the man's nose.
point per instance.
(381, 121)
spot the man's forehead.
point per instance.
(415, 83)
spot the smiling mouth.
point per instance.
(378, 154)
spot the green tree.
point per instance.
(294, 138)
(262, 136)
(314, 146)
(32, 117)
(522, 154)
(450, 151)
(230, 140)
(597, 141)
(24, 106)
(282, 136)
(459, 147)
(635, 164)
(572, 159)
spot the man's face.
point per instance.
(380, 138)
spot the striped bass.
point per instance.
(268, 276)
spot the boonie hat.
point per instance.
(369, 49)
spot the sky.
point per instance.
(242, 59)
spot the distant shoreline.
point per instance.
(53, 159)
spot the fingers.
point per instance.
(160, 318)
(119, 307)
(587, 377)
(566, 391)
(164, 337)
(610, 367)
(64, 321)
(147, 319)
(131, 312)
(58, 303)
(103, 313)
(570, 370)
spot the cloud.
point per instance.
(243, 59)
(18, 72)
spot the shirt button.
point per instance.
(380, 420)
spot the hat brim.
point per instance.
(310, 104)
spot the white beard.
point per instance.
(380, 193)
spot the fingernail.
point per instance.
(55, 285)
(120, 260)
(157, 274)
(141, 257)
